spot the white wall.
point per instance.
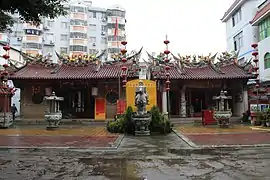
(250, 33)
(263, 48)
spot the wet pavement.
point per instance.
(156, 157)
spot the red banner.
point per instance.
(121, 106)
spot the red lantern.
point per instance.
(124, 43)
(124, 75)
(5, 56)
(256, 68)
(256, 60)
(257, 85)
(167, 68)
(124, 81)
(123, 51)
(168, 89)
(5, 65)
(166, 42)
(124, 60)
(254, 45)
(166, 60)
(124, 68)
(255, 53)
(167, 52)
(6, 48)
(5, 73)
(168, 74)
(168, 82)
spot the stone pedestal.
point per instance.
(53, 120)
(142, 122)
(6, 120)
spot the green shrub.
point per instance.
(160, 123)
(123, 123)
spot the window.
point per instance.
(32, 45)
(92, 39)
(92, 51)
(78, 35)
(64, 25)
(63, 50)
(118, 38)
(238, 41)
(92, 27)
(103, 28)
(103, 40)
(94, 15)
(264, 29)
(237, 17)
(113, 50)
(78, 9)
(64, 37)
(78, 48)
(78, 22)
(267, 61)
(50, 23)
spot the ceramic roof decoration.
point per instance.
(80, 67)
(201, 67)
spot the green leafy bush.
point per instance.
(160, 122)
(123, 124)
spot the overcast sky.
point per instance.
(193, 26)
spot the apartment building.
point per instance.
(262, 21)
(84, 30)
(239, 32)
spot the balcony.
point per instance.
(32, 52)
(114, 44)
(80, 16)
(32, 38)
(112, 20)
(82, 29)
(110, 32)
(31, 26)
(82, 42)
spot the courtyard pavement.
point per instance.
(212, 136)
(64, 137)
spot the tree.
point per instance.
(29, 11)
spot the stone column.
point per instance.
(245, 99)
(164, 102)
(183, 111)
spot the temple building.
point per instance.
(91, 87)
(195, 80)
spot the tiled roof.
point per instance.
(264, 11)
(37, 71)
(3, 91)
(230, 71)
(230, 9)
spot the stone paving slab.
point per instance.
(243, 139)
(67, 131)
(56, 141)
(215, 130)
(68, 137)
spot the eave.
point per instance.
(234, 7)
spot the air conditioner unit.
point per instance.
(46, 28)
(94, 44)
(51, 42)
(104, 19)
(103, 33)
(19, 38)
